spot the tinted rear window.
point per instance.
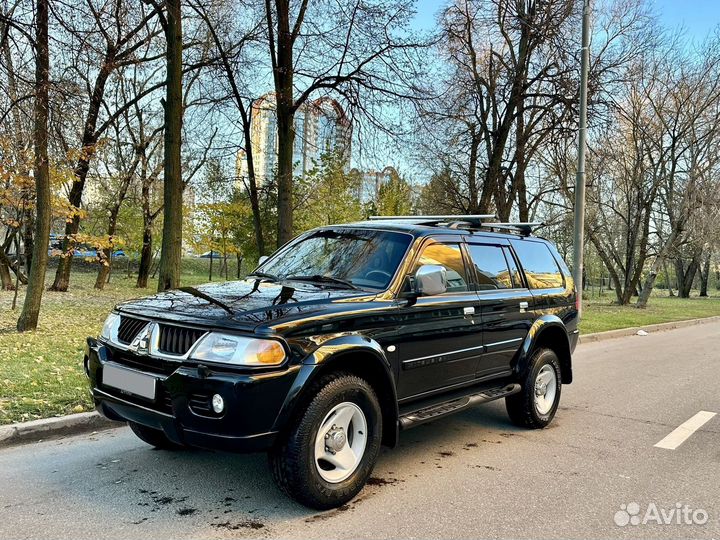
(541, 268)
(491, 267)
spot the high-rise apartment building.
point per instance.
(321, 126)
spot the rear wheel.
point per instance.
(330, 450)
(154, 437)
(535, 405)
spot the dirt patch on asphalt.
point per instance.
(247, 524)
(377, 481)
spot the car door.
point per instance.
(439, 341)
(544, 276)
(505, 305)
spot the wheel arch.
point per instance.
(547, 331)
(355, 355)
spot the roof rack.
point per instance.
(525, 229)
(455, 221)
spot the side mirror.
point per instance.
(430, 280)
(262, 259)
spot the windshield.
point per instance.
(358, 257)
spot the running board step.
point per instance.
(439, 410)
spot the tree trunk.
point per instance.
(225, 262)
(6, 280)
(686, 277)
(104, 271)
(521, 164)
(705, 275)
(106, 257)
(668, 283)
(286, 136)
(36, 283)
(146, 253)
(283, 71)
(28, 227)
(171, 252)
(13, 265)
(472, 173)
(146, 256)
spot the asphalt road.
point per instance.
(473, 475)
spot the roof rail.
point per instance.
(475, 220)
(524, 228)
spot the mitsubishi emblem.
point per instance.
(141, 343)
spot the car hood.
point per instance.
(238, 304)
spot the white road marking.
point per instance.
(680, 434)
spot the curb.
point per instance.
(661, 327)
(53, 428)
(77, 424)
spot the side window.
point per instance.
(491, 267)
(449, 256)
(514, 270)
(541, 268)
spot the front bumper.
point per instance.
(181, 408)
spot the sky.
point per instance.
(698, 17)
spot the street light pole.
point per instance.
(579, 232)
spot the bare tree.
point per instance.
(358, 50)
(238, 69)
(120, 171)
(508, 85)
(123, 31)
(36, 284)
(683, 151)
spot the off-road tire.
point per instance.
(521, 406)
(292, 458)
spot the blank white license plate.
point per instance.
(129, 380)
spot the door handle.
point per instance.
(523, 307)
(468, 311)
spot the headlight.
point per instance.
(110, 326)
(237, 350)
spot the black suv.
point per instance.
(341, 339)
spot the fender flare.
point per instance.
(330, 355)
(537, 333)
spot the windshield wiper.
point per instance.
(271, 277)
(325, 279)
(200, 294)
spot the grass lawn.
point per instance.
(601, 315)
(41, 372)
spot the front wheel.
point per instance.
(535, 405)
(329, 452)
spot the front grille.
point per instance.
(150, 364)
(129, 328)
(177, 340)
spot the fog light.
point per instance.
(218, 403)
